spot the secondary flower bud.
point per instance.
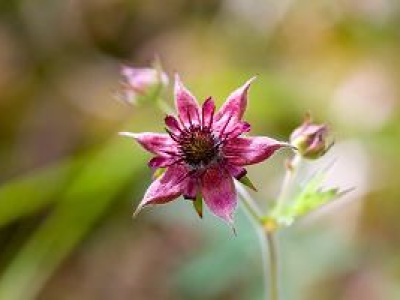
(310, 139)
(140, 83)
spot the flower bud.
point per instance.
(310, 139)
(142, 83)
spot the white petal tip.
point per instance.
(128, 134)
(137, 211)
(250, 81)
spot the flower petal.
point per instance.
(207, 113)
(173, 124)
(167, 188)
(161, 162)
(186, 104)
(251, 150)
(238, 129)
(191, 189)
(236, 171)
(219, 193)
(234, 107)
(156, 143)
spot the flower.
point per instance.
(141, 82)
(310, 139)
(203, 151)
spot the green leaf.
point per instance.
(31, 192)
(88, 196)
(309, 199)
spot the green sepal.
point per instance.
(247, 182)
(158, 173)
(198, 205)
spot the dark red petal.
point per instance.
(186, 104)
(251, 150)
(156, 143)
(238, 129)
(219, 193)
(190, 191)
(161, 162)
(167, 188)
(234, 107)
(236, 171)
(173, 124)
(208, 110)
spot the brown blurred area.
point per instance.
(66, 198)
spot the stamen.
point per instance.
(171, 153)
(172, 135)
(189, 118)
(198, 147)
(226, 125)
(211, 119)
(197, 114)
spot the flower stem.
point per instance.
(249, 204)
(268, 244)
(273, 265)
(286, 187)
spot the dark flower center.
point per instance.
(199, 147)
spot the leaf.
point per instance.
(31, 192)
(88, 196)
(311, 198)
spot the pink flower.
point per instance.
(140, 82)
(203, 151)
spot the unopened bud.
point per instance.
(310, 139)
(141, 83)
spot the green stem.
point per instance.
(268, 244)
(273, 265)
(286, 187)
(249, 204)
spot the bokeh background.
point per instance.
(69, 184)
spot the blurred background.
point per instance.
(69, 184)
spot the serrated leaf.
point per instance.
(311, 198)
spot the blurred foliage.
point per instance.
(69, 184)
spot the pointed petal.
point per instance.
(173, 124)
(191, 189)
(219, 193)
(167, 188)
(207, 113)
(251, 150)
(238, 129)
(234, 107)
(236, 171)
(156, 143)
(161, 162)
(186, 104)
